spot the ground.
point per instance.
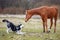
(33, 29)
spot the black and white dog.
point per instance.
(14, 28)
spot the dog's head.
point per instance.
(20, 26)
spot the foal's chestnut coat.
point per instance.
(46, 13)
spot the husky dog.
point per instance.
(14, 28)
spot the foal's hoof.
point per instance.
(48, 31)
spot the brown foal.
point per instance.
(46, 13)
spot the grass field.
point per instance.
(33, 29)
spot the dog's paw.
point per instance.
(21, 33)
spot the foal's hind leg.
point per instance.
(55, 24)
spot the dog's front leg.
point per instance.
(8, 30)
(18, 32)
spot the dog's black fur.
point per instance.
(12, 26)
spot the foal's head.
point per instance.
(28, 15)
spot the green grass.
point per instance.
(32, 28)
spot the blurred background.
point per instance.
(19, 6)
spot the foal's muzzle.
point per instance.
(25, 20)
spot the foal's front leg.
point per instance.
(46, 26)
(43, 25)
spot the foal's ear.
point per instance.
(26, 11)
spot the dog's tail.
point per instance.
(5, 20)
